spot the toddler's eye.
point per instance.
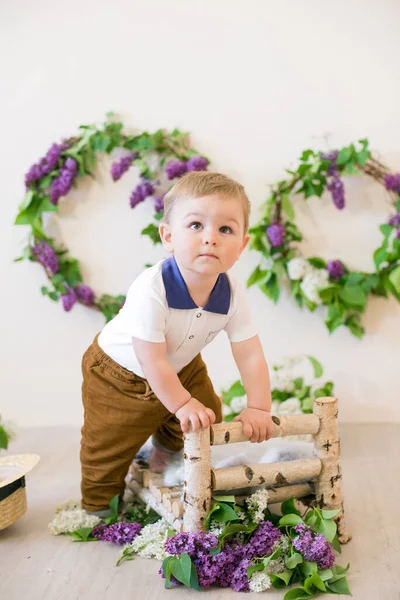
(195, 225)
(225, 229)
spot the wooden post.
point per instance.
(197, 480)
(328, 486)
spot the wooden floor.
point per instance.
(38, 566)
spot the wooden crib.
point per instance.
(317, 481)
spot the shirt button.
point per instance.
(198, 315)
(191, 337)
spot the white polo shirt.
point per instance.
(158, 307)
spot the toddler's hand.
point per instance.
(195, 414)
(257, 424)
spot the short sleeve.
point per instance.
(240, 326)
(144, 313)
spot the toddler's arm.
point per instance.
(256, 418)
(167, 387)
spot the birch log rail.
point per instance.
(317, 480)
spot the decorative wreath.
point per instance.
(159, 157)
(314, 281)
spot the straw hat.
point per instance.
(12, 486)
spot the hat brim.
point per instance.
(13, 467)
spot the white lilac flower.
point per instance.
(150, 541)
(259, 581)
(238, 404)
(226, 410)
(278, 564)
(291, 406)
(282, 381)
(297, 268)
(267, 263)
(70, 520)
(256, 504)
(312, 282)
(215, 528)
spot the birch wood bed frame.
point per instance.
(317, 481)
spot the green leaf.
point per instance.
(225, 513)
(166, 567)
(308, 568)
(362, 157)
(344, 156)
(271, 288)
(293, 560)
(280, 580)
(287, 206)
(313, 581)
(83, 534)
(152, 231)
(353, 295)
(46, 205)
(114, 504)
(30, 194)
(394, 279)
(325, 574)
(290, 520)
(339, 587)
(336, 544)
(329, 514)
(3, 438)
(230, 499)
(318, 370)
(288, 507)
(236, 390)
(28, 215)
(298, 593)
(386, 230)
(257, 275)
(317, 262)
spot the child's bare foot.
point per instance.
(159, 460)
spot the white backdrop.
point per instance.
(255, 83)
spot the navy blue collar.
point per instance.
(178, 294)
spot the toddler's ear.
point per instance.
(165, 235)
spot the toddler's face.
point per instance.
(206, 234)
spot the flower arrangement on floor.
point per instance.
(159, 158)
(292, 389)
(314, 281)
(247, 548)
(7, 433)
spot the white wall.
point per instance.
(255, 82)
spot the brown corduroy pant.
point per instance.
(120, 413)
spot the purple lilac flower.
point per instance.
(336, 187)
(229, 567)
(314, 547)
(220, 568)
(335, 269)
(197, 163)
(46, 255)
(395, 220)
(262, 540)
(144, 189)
(46, 164)
(158, 204)
(175, 168)
(195, 544)
(392, 182)
(118, 533)
(69, 299)
(276, 232)
(332, 157)
(61, 185)
(85, 294)
(120, 167)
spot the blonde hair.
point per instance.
(203, 183)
